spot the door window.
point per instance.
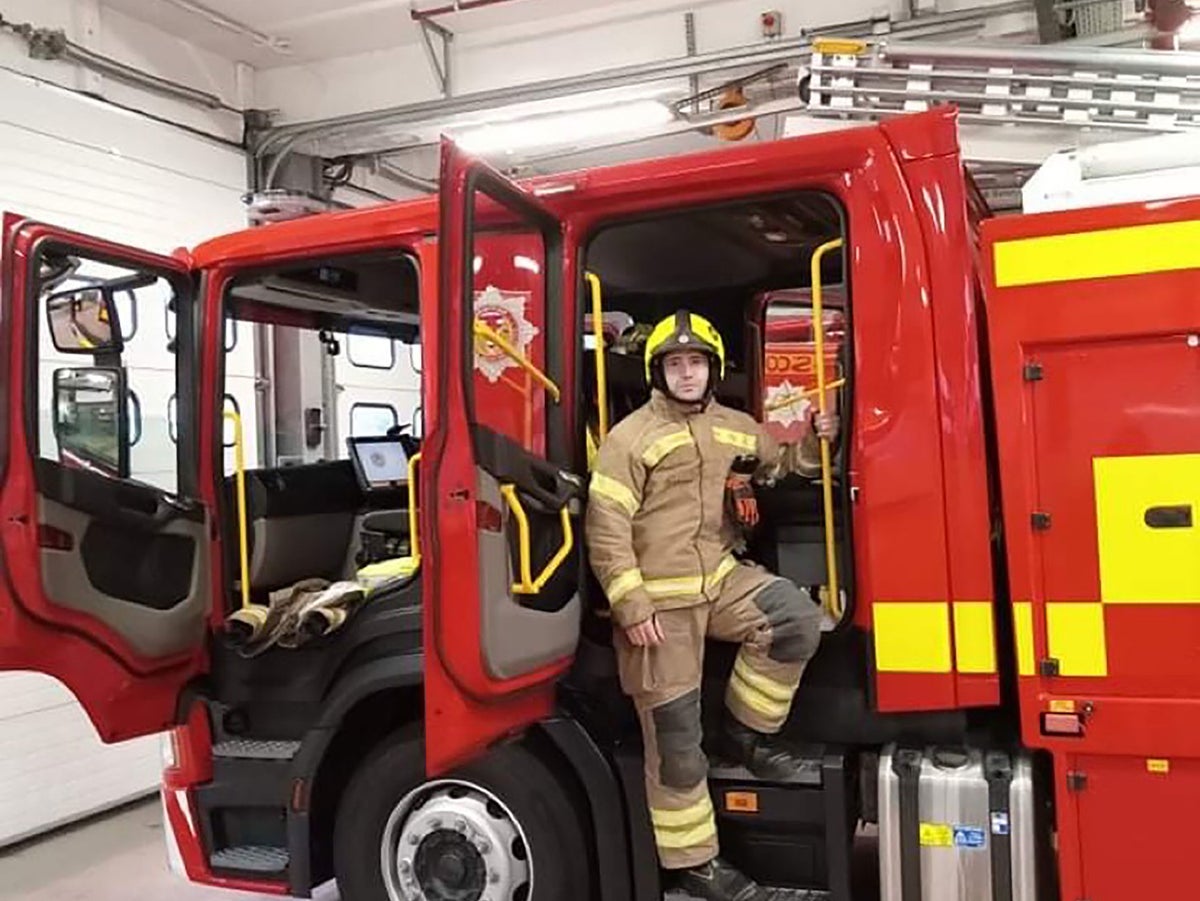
(368, 420)
(102, 384)
(370, 350)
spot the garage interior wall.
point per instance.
(87, 165)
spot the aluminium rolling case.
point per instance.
(956, 824)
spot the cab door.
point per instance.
(500, 507)
(106, 580)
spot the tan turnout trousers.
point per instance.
(660, 545)
(664, 682)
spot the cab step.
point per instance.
(775, 894)
(262, 860)
(808, 773)
(793, 832)
(255, 749)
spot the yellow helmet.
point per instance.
(684, 331)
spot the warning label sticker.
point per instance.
(969, 837)
(999, 822)
(937, 835)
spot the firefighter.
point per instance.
(669, 498)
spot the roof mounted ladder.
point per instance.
(1147, 91)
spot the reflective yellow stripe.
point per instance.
(912, 637)
(741, 440)
(756, 700)
(664, 445)
(674, 840)
(1023, 627)
(686, 816)
(974, 645)
(1075, 637)
(724, 568)
(684, 585)
(684, 828)
(670, 587)
(1106, 253)
(619, 587)
(765, 685)
(610, 489)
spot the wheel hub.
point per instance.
(453, 841)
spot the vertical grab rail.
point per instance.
(598, 333)
(414, 531)
(835, 600)
(239, 467)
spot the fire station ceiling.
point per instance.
(274, 33)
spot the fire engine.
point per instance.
(1003, 541)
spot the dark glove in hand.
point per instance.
(739, 496)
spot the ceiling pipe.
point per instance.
(458, 6)
(278, 44)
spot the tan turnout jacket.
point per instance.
(657, 532)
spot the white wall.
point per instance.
(77, 162)
(116, 35)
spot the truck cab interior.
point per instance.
(335, 509)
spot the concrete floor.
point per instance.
(120, 856)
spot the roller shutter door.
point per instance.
(82, 164)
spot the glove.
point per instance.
(740, 499)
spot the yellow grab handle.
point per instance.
(835, 598)
(239, 468)
(528, 584)
(598, 334)
(414, 533)
(483, 330)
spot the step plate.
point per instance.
(251, 859)
(808, 774)
(774, 894)
(250, 749)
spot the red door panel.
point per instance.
(493, 653)
(125, 690)
(1136, 834)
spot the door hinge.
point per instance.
(1033, 372)
(1076, 781)
(1048, 667)
(1040, 521)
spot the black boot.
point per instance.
(766, 756)
(717, 880)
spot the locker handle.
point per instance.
(1178, 516)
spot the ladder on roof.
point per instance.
(1143, 91)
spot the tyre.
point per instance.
(499, 829)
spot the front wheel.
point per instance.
(499, 829)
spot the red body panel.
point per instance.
(941, 206)
(1120, 379)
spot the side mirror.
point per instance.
(91, 420)
(84, 321)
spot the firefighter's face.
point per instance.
(686, 374)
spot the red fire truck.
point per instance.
(1003, 541)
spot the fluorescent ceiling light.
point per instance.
(563, 128)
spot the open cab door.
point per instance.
(106, 577)
(500, 505)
